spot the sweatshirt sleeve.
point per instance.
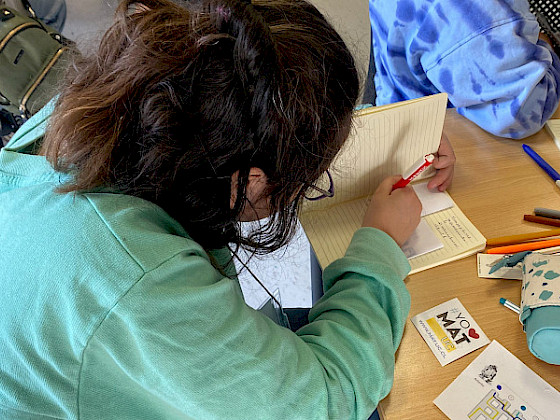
(502, 78)
(182, 343)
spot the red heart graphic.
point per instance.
(473, 333)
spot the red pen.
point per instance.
(417, 168)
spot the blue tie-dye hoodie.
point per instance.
(484, 53)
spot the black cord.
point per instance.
(255, 277)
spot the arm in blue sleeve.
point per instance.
(504, 79)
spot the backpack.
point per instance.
(33, 58)
(548, 17)
(17, 5)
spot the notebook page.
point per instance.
(459, 236)
(330, 230)
(384, 141)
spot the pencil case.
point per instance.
(540, 306)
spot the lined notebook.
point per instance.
(386, 141)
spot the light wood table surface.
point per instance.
(495, 184)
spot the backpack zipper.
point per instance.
(39, 79)
(14, 31)
(17, 29)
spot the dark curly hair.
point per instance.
(182, 94)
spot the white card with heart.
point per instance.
(450, 331)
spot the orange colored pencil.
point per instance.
(516, 239)
(527, 246)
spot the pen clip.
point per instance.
(415, 170)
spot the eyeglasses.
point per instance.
(322, 188)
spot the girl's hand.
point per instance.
(397, 213)
(444, 164)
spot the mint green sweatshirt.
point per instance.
(110, 311)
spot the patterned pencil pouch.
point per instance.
(540, 305)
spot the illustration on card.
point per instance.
(501, 403)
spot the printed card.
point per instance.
(450, 331)
(499, 386)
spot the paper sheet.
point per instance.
(422, 241)
(294, 284)
(432, 201)
(459, 236)
(485, 262)
(498, 386)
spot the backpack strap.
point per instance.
(33, 129)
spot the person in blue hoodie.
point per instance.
(485, 54)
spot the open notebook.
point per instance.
(386, 141)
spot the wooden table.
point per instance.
(495, 184)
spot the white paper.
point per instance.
(422, 241)
(498, 386)
(432, 200)
(287, 270)
(449, 331)
(485, 262)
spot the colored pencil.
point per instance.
(542, 220)
(516, 239)
(527, 246)
(549, 251)
(551, 172)
(540, 211)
